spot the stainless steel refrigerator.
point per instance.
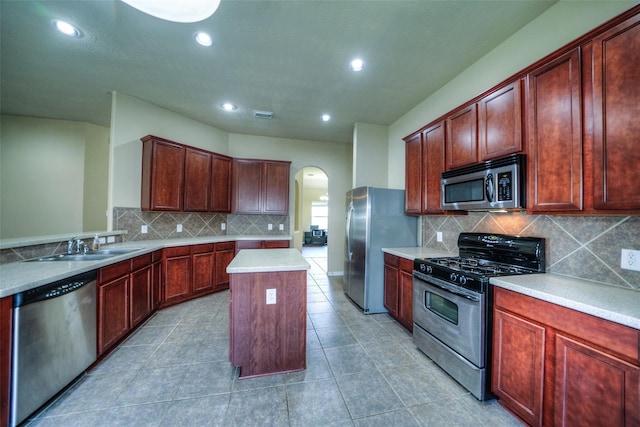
(375, 219)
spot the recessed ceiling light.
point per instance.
(357, 64)
(203, 38)
(66, 28)
(326, 117)
(227, 106)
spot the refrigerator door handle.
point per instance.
(348, 231)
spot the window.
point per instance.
(320, 215)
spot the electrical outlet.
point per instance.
(439, 236)
(179, 228)
(270, 227)
(630, 260)
(223, 226)
(281, 227)
(144, 229)
(271, 296)
(102, 240)
(111, 239)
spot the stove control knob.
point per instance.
(429, 269)
(453, 277)
(423, 268)
(463, 280)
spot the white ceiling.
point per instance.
(289, 57)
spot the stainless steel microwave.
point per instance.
(491, 185)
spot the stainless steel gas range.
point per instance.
(452, 309)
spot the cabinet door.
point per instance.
(616, 108)
(462, 139)
(518, 365)
(113, 312)
(220, 184)
(500, 122)
(275, 244)
(432, 167)
(177, 276)
(276, 188)
(593, 388)
(197, 176)
(223, 258)
(156, 284)
(140, 295)
(405, 306)
(248, 244)
(203, 264)
(391, 290)
(162, 175)
(413, 175)
(555, 136)
(247, 186)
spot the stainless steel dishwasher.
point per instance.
(54, 336)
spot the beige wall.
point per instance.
(370, 156)
(558, 25)
(53, 177)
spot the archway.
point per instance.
(311, 216)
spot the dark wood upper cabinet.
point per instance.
(220, 184)
(177, 177)
(424, 163)
(162, 175)
(432, 167)
(197, 175)
(555, 136)
(260, 187)
(413, 175)
(616, 116)
(500, 122)
(462, 137)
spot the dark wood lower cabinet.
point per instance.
(554, 366)
(204, 264)
(398, 289)
(176, 284)
(225, 252)
(268, 338)
(113, 304)
(141, 290)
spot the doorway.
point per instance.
(311, 220)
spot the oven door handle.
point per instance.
(440, 284)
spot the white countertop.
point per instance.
(414, 252)
(21, 276)
(612, 303)
(267, 260)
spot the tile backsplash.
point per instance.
(163, 225)
(585, 247)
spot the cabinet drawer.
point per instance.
(177, 251)
(199, 249)
(110, 272)
(140, 262)
(224, 246)
(391, 260)
(406, 265)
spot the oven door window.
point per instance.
(441, 306)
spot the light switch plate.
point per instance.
(270, 227)
(144, 229)
(271, 296)
(223, 226)
(179, 228)
(439, 236)
(281, 227)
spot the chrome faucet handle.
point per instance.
(70, 244)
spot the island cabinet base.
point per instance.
(268, 322)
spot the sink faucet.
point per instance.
(76, 246)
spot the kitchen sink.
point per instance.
(89, 256)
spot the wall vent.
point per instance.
(262, 114)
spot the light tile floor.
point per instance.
(362, 370)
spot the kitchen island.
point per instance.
(267, 311)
